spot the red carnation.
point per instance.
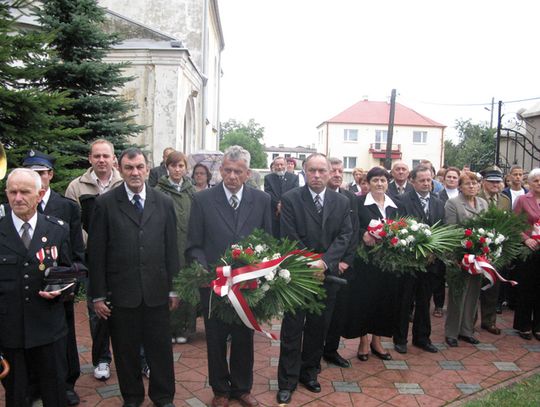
(485, 249)
(394, 241)
(249, 251)
(482, 240)
(236, 253)
(468, 244)
(389, 221)
(382, 233)
(468, 232)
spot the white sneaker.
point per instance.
(181, 339)
(146, 372)
(102, 371)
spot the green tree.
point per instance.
(475, 148)
(31, 116)
(248, 135)
(78, 68)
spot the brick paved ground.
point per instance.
(415, 379)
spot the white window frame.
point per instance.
(348, 133)
(423, 137)
(347, 162)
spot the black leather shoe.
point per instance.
(363, 357)
(452, 342)
(469, 339)
(536, 335)
(312, 385)
(382, 356)
(428, 347)
(72, 398)
(525, 335)
(337, 360)
(400, 347)
(284, 396)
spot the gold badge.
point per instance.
(41, 267)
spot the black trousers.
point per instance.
(99, 330)
(415, 289)
(337, 322)
(73, 367)
(236, 377)
(44, 363)
(527, 312)
(150, 327)
(439, 287)
(302, 342)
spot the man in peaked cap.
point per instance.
(54, 204)
(492, 178)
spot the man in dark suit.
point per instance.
(56, 205)
(220, 217)
(133, 256)
(276, 184)
(159, 171)
(345, 269)
(399, 184)
(32, 321)
(425, 207)
(318, 218)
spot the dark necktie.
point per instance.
(137, 203)
(40, 207)
(318, 204)
(425, 204)
(25, 237)
(234, 201)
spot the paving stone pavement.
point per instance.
(417, 378)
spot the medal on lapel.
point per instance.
(40, 254)
(54, 255)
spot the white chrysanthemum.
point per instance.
(237, 246)
(403, 242)
(285, 274)
(265, 287)
(259, 248)
(410, 239)
(427, 232)
(276, 256)
(403, 232)
(488, 240)
(497, 252)
(481, 231)
(490, 235)
(270, 276)
(415, 227)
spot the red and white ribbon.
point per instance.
(229, 282)
(535, 234)
(479, 265)
(375, 228)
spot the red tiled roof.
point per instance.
(368, 112)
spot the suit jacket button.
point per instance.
(26, 276)
(27, 299)
(26, 264)
(26, 287)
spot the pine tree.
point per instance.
(31, 116)
(78, 68)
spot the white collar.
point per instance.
(423, 197)
(387, 201)
(228, 193)
(45, 198)
(321, 194)
(131, 194)
(18, 222)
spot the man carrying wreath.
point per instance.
(425, 207)
(220, 217)
(318, 218)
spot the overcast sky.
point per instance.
(293, 64)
